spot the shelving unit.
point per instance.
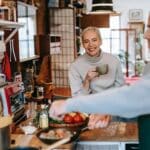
(7, 25)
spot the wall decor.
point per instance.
(135, 15)
(139, 26)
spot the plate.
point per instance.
(59, 124)
(46, 135)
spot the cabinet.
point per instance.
(10, 28)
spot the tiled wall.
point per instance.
(62, 23)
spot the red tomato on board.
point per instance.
(78, 118)
(68, 119)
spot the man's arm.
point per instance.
(127, 101)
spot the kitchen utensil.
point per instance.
(23, 148)
(58, 143)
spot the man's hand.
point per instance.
(98, 121)
(57, 109)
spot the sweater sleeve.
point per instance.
(119, 80)
(127, 101)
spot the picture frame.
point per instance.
(135, 15)
(138, 26)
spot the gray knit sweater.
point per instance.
(80, 67)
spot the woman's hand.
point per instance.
(91, 74)
(98, 121)
(57, 109)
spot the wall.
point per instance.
(123, 6)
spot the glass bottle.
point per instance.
(43, 119)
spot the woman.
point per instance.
(83, 75)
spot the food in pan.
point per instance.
(56, 134)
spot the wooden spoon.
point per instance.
(58, 143)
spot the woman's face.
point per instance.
(91, 43)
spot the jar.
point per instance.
(43, 119)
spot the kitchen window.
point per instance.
(27, 16)
(108, 36)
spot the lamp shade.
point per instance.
(102, 5)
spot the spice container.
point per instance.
(43, 119)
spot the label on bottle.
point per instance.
(43, 121)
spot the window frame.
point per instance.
(28, 50)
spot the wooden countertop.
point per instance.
(116, 131)
(119, 131)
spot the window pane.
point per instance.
(23, 49)
(115, 47)
(23, 30)
(106, 45)
(31, 29)
(31, 48)
(27, 16)
(111, 42)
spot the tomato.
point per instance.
(78, 118)
(68, 118)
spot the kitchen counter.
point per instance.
(116, 131)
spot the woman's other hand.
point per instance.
(98, 121)
(57, 109)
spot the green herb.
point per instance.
(52, 120)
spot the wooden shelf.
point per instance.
(4, 25)
(30, 58)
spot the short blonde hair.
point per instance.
(94, 29)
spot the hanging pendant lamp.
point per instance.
(102, 6)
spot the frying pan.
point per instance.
(74, 131)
